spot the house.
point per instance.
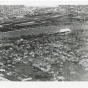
(20, 16)
(6, 46)
(66, 30)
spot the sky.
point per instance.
(42, 2)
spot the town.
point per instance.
(57, 51)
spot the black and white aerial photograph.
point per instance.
(43, 43)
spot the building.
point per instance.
(66, 30)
